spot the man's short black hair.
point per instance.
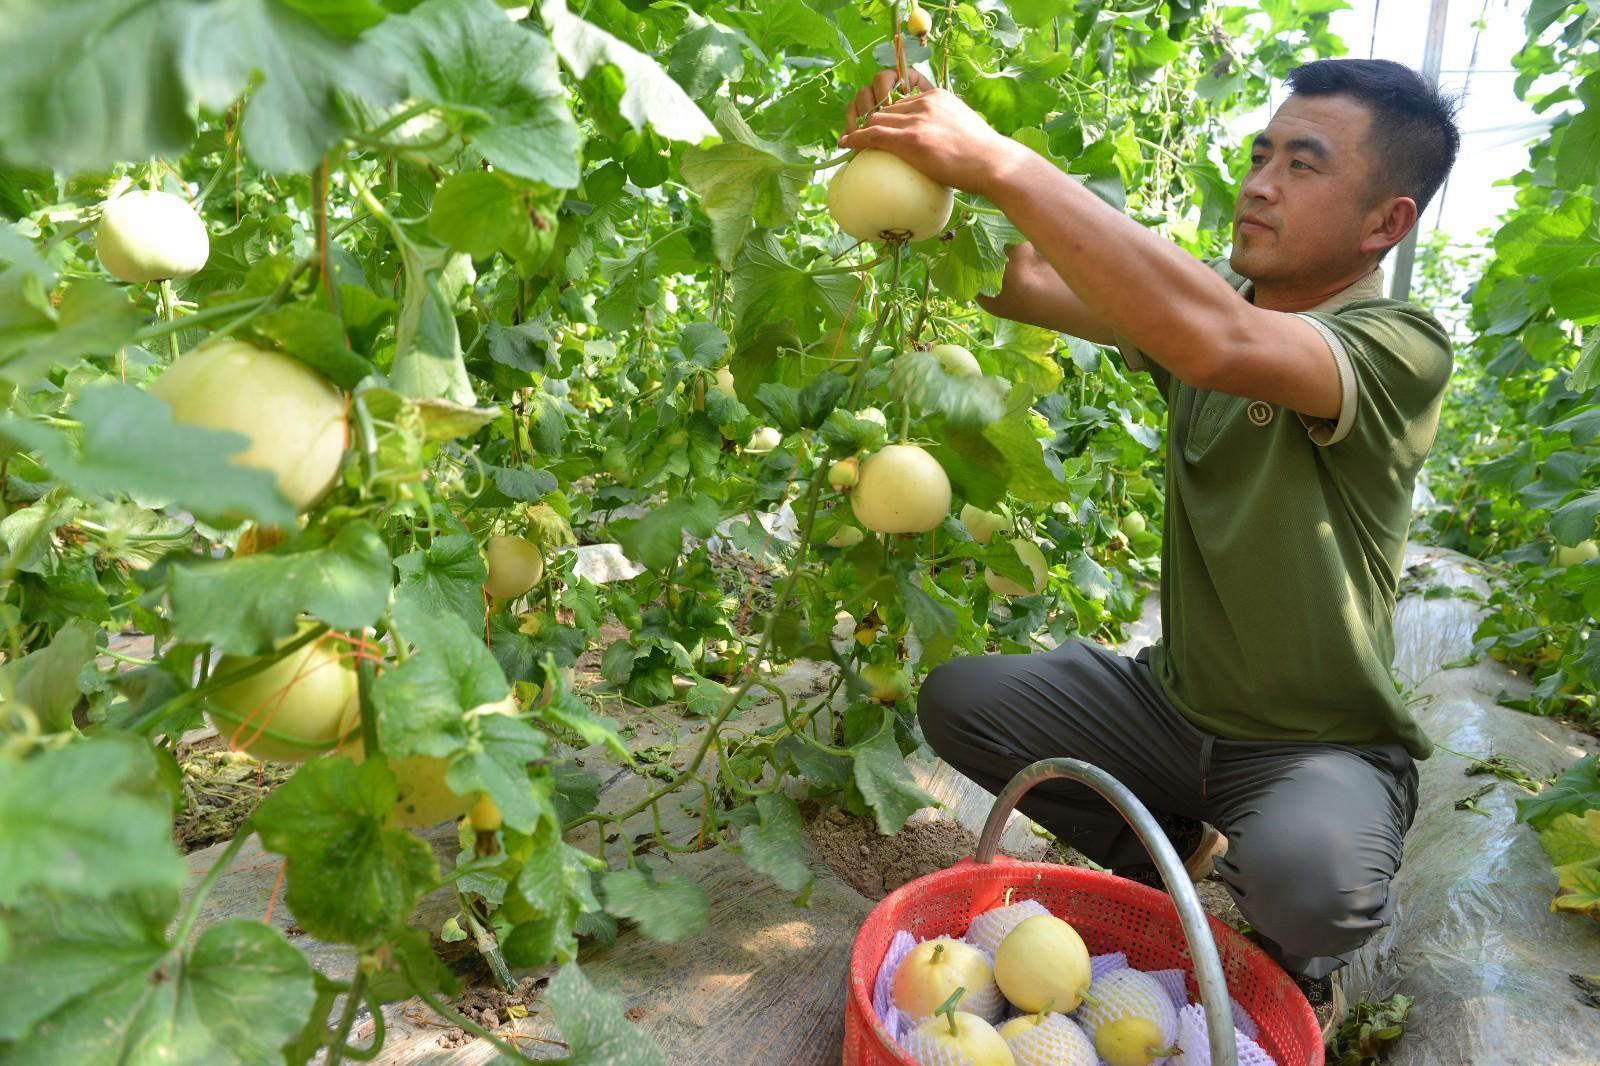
(1414, 136)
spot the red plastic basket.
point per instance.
(1110, 913)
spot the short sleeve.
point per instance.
(1394, 363)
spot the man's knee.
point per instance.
(1312, 895)
(948, 702)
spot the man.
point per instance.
(1301, 404)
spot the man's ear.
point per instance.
(1389, 224)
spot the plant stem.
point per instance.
(843, 157)
(161, 329)
(353, 1000)
(488, 947)
(169, 312)
(369, 714)
(395, 121)
(850, 269)
(191, 912)
(877, 331)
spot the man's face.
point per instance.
(1306, 201)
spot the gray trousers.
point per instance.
(1314, 830)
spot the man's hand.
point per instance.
(933, 130)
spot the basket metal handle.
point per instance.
(1207, 962)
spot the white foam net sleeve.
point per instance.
(1129, 993)
(882, 1000)
(1101, 965)
(1195, 1049)
(1057, 1041)
(929, 1052)
(991, 927)
(1176, 984)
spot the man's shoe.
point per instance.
(1200, 848)
(1326, 996)
(1203, 859)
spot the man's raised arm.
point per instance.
(1034, 293)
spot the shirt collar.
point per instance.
(1367, 287)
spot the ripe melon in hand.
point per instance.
(932, 971)
(1130, 1018)
(1043, 961)
(879, 196)
(958, 1037)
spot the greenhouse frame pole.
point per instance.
(1432, 60)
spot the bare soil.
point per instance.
(220, 790)
(875, 865)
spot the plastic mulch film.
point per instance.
(1473, 941)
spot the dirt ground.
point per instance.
(875, 865)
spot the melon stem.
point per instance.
(948, 1009)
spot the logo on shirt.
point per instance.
(1260, 413)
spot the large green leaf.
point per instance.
(497, 763)
(89, 819)
(73, 97)
(245, 605)
(885, 783)
(669, 910)
(130, 445)
(317, 339)
(744, 182)
(98, 983)
(46, 681)
(1586, 375)
(1549, 243)
(351, 880)
(593, 1025)
(498, 80)
(423, 703)
(300, 71)
(1574, 792)
(1578, 161)
(768, 290)
(94, 320)
(656, 539)
(706, 54)
(444, 578)
(973, 262)
(651, 96)
(776, 844)
(428, 360)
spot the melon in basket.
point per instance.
(933, 970)
(1130, 1018)
(957, 1036)
(1042, 962)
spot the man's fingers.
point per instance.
(888, 118)
(883, 87)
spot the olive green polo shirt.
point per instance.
(1284, 535)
